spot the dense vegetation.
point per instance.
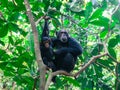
(95, 24)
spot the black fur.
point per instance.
(47, 52)
(66, 53)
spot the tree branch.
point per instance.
(41, 66)
(36, 23)
(93, 59)
(51, 75)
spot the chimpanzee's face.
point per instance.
(63, 36)
(46, 44)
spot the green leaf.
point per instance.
(72, 81)
(3, 65)
(18, 41)
(22, 71)
(13, 27)
(98, 48)
(117, 69)
(80, 13)
(4, 2)
(103, 33)
(11, 40)
(102, 21)
(47, 3)
(84, 83)
(118, 38)
(88, 10)
(116, 17)
(56, 22)
(90, 84)
(104, 4)
(107, 63)
(66, 22)
(2, 43)
(14, 16)
(23, 32)
(112, 52)
(56, 4)
(112, 43)
(8, 73)
(96, 14)
(20, 49)
(11, 6)
(3, 31)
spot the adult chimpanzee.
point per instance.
(45, 46)
(67, 50)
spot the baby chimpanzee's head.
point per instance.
(62, 35)
(46, 42)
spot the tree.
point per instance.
(94, 24)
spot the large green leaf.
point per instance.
(96, 14)
(56, 4)
(56, 22)
(47, 3)
(13, 27)
(3, 31)
(116, 15)
(112, 52)
(18, 41)
(113, 42)
(103, 33)
(88, 10)
(14, 16)
(102, 21)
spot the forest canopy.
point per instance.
(95, 24)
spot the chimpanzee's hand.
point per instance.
(51, 65)
(61, 51)
(57, 52)
(47, 17)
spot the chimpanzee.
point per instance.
(45, 47)
(67, 50)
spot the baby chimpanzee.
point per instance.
(46, 48)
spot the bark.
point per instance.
(41, 66)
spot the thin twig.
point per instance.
(36, 23)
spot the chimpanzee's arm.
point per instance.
(45, 32)
(73, 48)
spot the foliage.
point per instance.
(89, 23)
